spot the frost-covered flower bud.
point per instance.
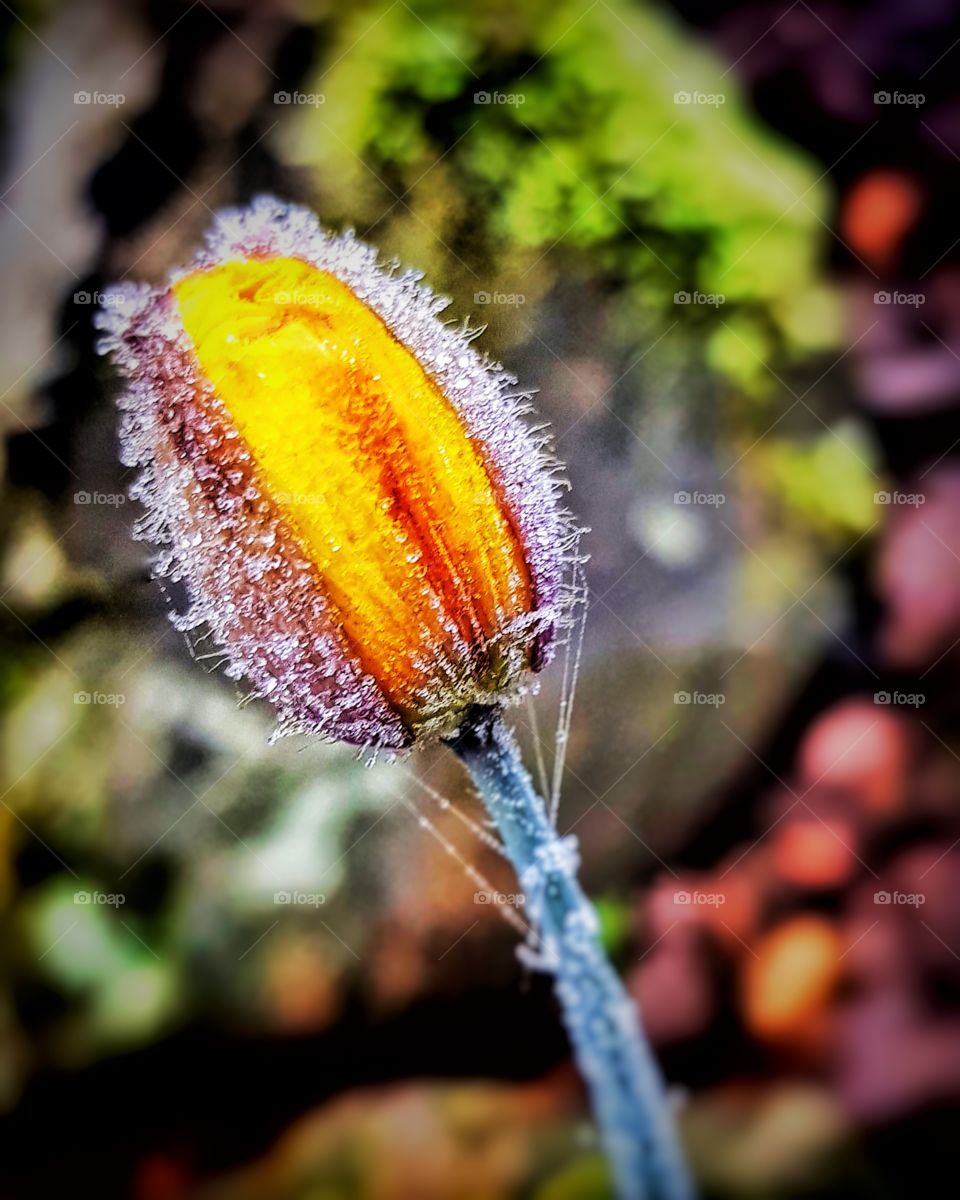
(343, 485)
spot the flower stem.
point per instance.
(625, 1085)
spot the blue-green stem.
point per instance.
(622, 1076)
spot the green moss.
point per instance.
(590, 152)
(827, 481)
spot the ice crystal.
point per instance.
(219, 525)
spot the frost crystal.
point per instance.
(216, 526)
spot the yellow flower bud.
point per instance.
(345, 487)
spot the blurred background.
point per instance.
(721, 241)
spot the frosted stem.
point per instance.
(626, 1089)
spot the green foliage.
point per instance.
(586, 1178)
(827, 481)
(695, 196)
(615, 922)
(126, 991)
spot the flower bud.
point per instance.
(345, 488)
